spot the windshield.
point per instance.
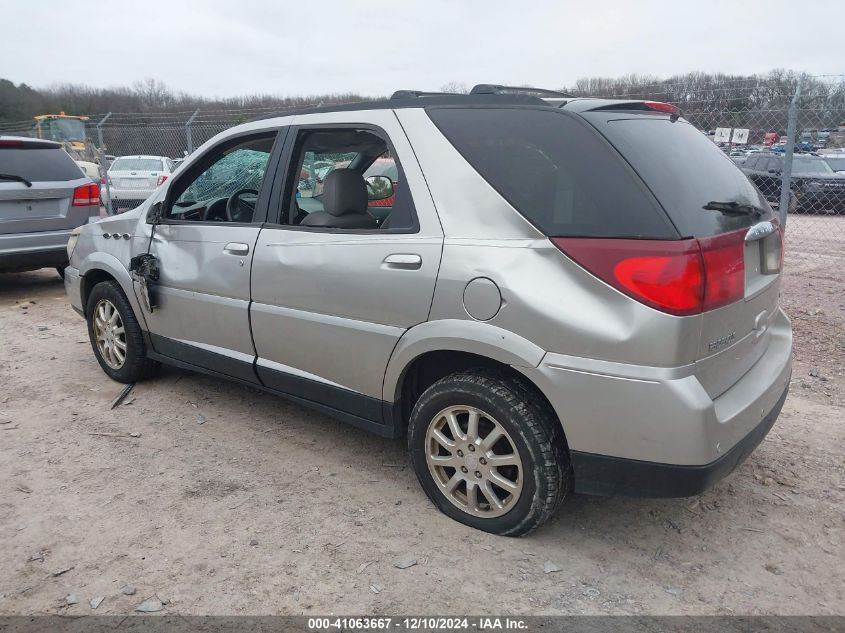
(836, 164)
(805, 166)
(136, 164)
(684, 169)
(63, 130)
(241, 169)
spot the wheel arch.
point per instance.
(436, 349)
(98, 267)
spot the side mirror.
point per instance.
(154, 214)
(379, 188)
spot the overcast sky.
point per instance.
(236, 47)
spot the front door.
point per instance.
(211, 219)
(349, 266)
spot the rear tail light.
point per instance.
(10, 143)
(724, 265)
(87, 195)
(681, 277)
(771, 252)
(662, 107)
(161, 180)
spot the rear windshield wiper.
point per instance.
(732, 208)
(17, 178)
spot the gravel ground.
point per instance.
(213, 498)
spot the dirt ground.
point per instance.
(231, 501)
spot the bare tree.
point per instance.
(455, 86)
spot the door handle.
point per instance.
(404, 261)
(236, 248)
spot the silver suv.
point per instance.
(43, 196)
(564, 294)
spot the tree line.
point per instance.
(21, 102)
(709, 100)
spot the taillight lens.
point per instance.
(161, 180)
(724, 263)
(771, 253)
(87, 195)
(680, 277)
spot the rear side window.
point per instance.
(136, 164)
(685, 170)
(555, 170)
(837, 163)
(39, 165)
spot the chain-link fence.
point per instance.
(786, 132)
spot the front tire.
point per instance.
(489, 452)
(116, 335)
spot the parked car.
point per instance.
(43, 197)
(132, 179)
(575, 294)
(770, 138)
(815, 184)
(92, 170)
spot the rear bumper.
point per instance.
(655, 431)
(28, 251)
(603, 475)
(129, 197)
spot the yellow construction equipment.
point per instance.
(69, 130)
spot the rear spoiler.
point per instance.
(27, 143)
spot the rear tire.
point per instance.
(116, 335)
(462, 467)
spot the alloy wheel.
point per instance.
(474, 461)
(110, 334)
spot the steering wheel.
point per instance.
(234, 207)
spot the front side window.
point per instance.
(224, 185)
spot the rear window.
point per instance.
(684, 169)
(555, 170)
(136, 164)
(39, 165)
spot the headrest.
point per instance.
(344, 191)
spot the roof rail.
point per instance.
(413, 94)
(486, 89)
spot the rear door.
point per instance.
(686, 172)
(46, 205)
(330, 304)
